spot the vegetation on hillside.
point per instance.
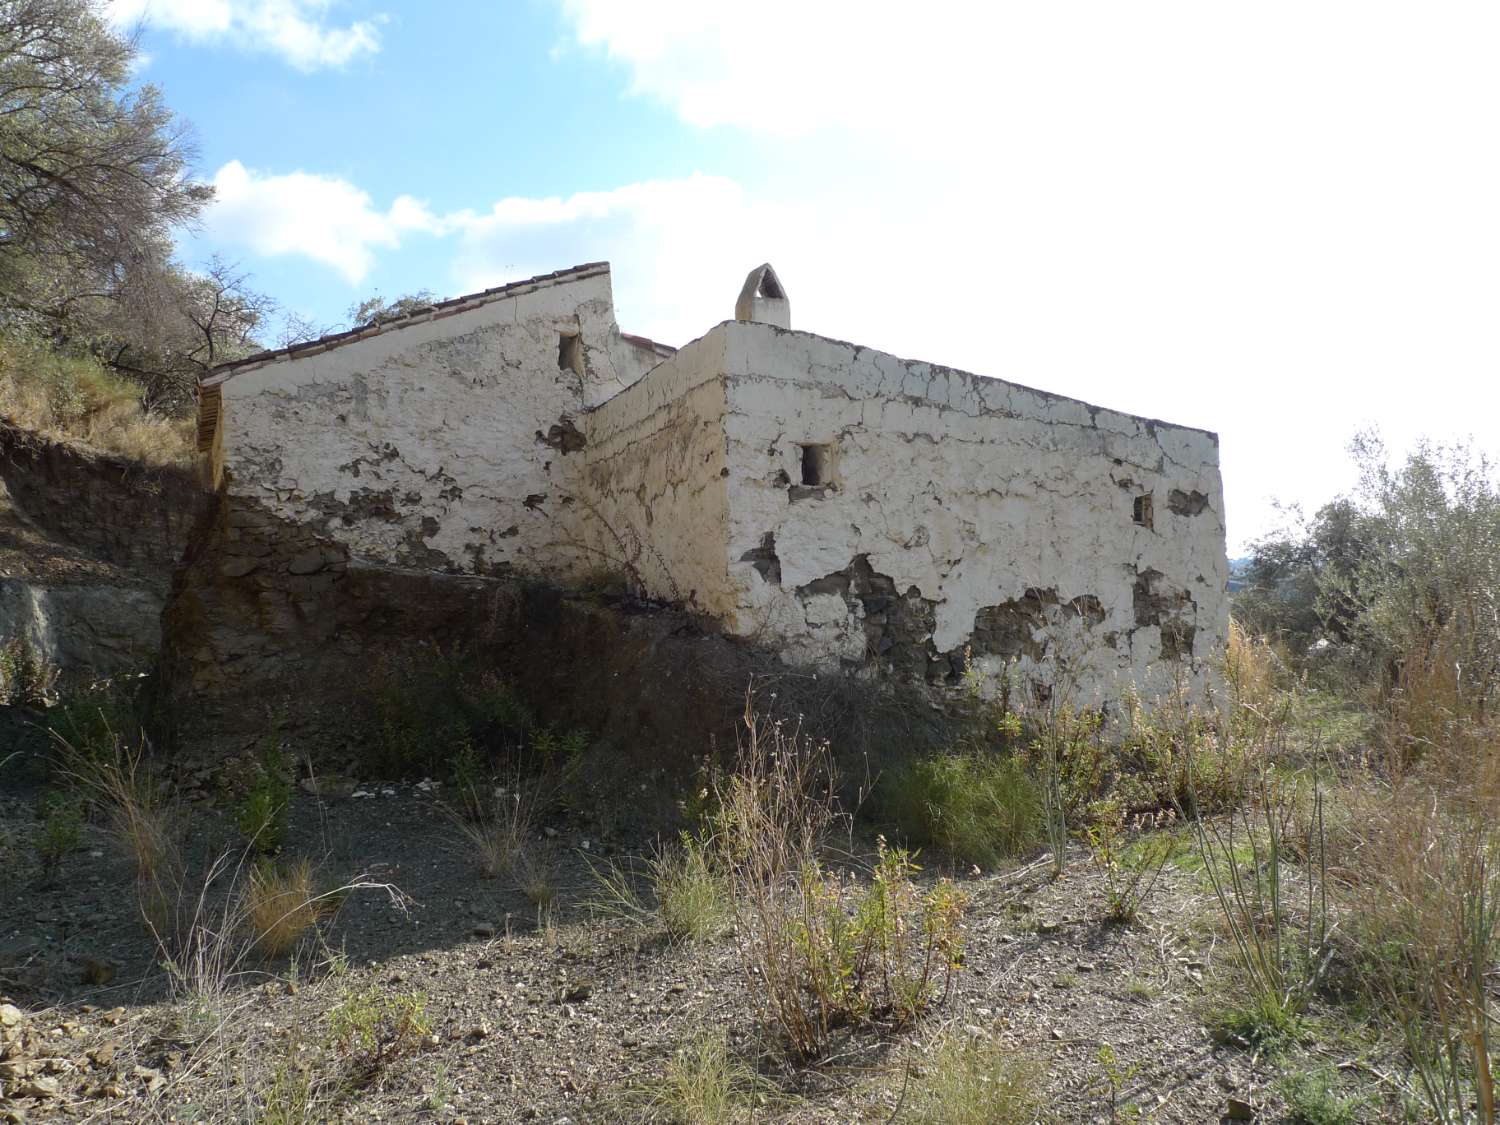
(103, 334)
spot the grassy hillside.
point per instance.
(75, 398)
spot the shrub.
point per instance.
(821, 949)
(372, 1029)
(973, 1080)
(264, 810)
(977, 807)
(95, 725)
(428, 704)
(283, 903)
(26, 678)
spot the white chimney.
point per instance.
(763, 300)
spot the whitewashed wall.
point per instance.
(439, 444)
(956, 511)
(651, 489)
(978, 511)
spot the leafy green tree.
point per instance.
(1404, 573)
(92, 172)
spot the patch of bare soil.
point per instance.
(557, 1020)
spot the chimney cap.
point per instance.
(763, 298)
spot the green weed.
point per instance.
(973, 1080)
(979, 808)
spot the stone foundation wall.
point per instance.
(121, 512)
(269, 616)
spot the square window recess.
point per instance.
(1141, 510)
(570, 353)
(817, 465)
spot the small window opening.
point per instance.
(770, 287)
(816, 467)
(1141, 512)
(570, 353)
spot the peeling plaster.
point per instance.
(940, 512)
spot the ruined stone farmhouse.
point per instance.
(842, 506)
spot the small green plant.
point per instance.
(1248, 1015)
(59, 832)
(470, 780)
(441, 1090)
(1117, 1078)
(1312, 1098)
(702, 1084)
(1131, 870)
(264, 810)
(290, 1098)
(555, 751)
(973, 1080)
(977, 807)
(372, 1029)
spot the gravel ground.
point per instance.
(556, 1021)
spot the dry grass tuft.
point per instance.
(75, 398)
(1252, 668)
(973, 1080)
(283, 904)
(500, 831)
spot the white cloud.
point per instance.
(320, 217)
(667, 238)
(1276, 221)
(296, 30)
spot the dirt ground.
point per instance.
(558, 1019)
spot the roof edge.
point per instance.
(436, 311)
(1050, 396)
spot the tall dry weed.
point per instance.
(819, 948)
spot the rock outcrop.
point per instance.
(88, 543)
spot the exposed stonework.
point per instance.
(843, 506)
(88, 543)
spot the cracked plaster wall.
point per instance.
(954, 510)
(965, 511)
(440, 445)
(652, 477)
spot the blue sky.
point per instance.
(1275, 221)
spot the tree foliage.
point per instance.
(92, 173)
(1403, 574)
(93, 184)
(377, 310)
